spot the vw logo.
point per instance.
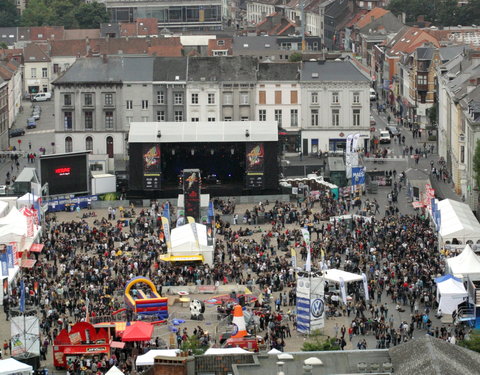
(317, 308)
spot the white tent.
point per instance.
(184, 242)
(147, 359)
(274, 351)
(450, 292)
(12, 366)
(3, 208)
(14, 216)
(223, 351)
(464, 264)
(27, 200)
(457, 222)
(114, 370)
(334, 275)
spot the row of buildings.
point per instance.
(316, 104)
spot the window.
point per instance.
(278, 97)
(211, 119)
(109, 99)
(220, 52)
(144, 104)
(335, 97)
(129, 120)
(129, 104)
(67, 99)
(262, 97)
(244, 118)
(88, 99)
(68, 144)
(422, 80)
(109, 142)
(294, 117)
(88, 120)
(195, 119)
(227, 118)
(178, 98)
(160, 97)
(356, 98)
(227, 98)
(462, 154)
(262, 115)
(314, 117)
(335, 117)
(314, 98)
(244, 98)
(356, 117)
(56, 68)
(89, 143)
(68, 120)
(178, 116)
(44, 73)
(278, 116)
(33, 73)
(109, 120)
(211, 98)
(160, 115)
(194, 98)
(294, 97)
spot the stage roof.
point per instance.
(188, 132)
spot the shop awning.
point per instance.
(28, 263)
(36, 248)
(181, 258)
(140, 331)
(85, 349)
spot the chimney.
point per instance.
(104, 58)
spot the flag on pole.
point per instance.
(306, 238)
(22, 296)
(365, 286)
(166, 211)
(166, 231)
(211, 213)
(343, 290)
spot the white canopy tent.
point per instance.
(3, 208)
(114, 370)
(12, 366)
(147, 359)
(27, 200)
(465, 264)
(223, 351)
(450, 293)
(184, 242)
(334, 275)
(457, 222)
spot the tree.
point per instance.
(8, 13)
(295, 57)
(192, 344)
(91, 15)
(37, 13)
(432, 114)
(473, 343)
(476, 164)
(319, 342)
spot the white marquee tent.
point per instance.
(457, 222)
(222, 351)
(27, 199)
(334, 276)
(464, 264)
(12, 366)
(147, 359)
(114, 370)
(450, 293)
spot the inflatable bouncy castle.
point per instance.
(145, 302)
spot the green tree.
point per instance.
(476, 164)
(64, 13)
(8, 13)
(91, 15)
(432, 114)
(473, 343)
(318, 342)
(295, 57)
(193, 345)
(37, 13)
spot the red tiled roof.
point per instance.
(213, 45)
(34, 52)
(74, 34)
(376, 13)
(410, 41)
(46, 32)
(356, 17)
(168, 47)
(68, 47)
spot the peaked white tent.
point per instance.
(12, 366)
(114, 370)
(464, 264)
(450, 293)
(27, 199)
(458, 222)
(334, 275)
(148, 358)
(222, 351)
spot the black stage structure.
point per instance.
(234, 158)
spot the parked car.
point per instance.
(36, 115)
(16, 132)
(373, 94)
(31, 123)
(42, 97)
(385, 136)
(372, 121)
(393, 130)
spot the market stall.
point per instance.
(458, 223)
(148, 358)
(450, 293)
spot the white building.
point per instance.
(37, 68)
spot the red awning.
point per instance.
(117, 344)
(85, 349)
(140, 331)
(36, 248)
(28, 263)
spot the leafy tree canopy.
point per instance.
(8, 13)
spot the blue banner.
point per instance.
(211, 213)
(70, 204)
(4, 264)
(22, 296)
(166, 211)
(358, 176)
(10, 260)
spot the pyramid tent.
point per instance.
(464, 264)
(114, 370)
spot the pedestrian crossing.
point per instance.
(41, 131)
(389, 158)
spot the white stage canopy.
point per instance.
(450, 292)
(12, 366)
(114, 370)
(147, 359)
(464, 264)
(458, 222)
(334, 275)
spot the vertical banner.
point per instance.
(303, 305)
(3, 259)
(151, 167)
(22, 296)
(15, 253)
(356, 137)
(255, 165)
(365, 286)
(211, 213)
(10, 260)
(195, 234)
(317, 303)
(5, 287)
(209, 234)
(358, 176)
(343, 290)
(306, 238)
(293, 254)
(191, 192)
(166, 211)
(166, 232)
(348, 156)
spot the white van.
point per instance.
(373, 94)
(42, 97)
